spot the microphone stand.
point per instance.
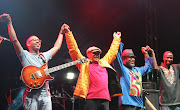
(71, 98)
(64, 100)
(4, 38)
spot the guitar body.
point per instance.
(34, 77)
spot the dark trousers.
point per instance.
(129, 107)
(96, 104)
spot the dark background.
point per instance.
(142, 22)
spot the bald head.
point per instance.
(168, 58)
(33, 44)
(167, 53)
(30, 38)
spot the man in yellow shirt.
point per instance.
(97, 74)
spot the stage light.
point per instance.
(70, 75)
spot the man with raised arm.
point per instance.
(35, 99)
(97, 81)
(131, 76)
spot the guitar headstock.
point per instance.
(82, 60)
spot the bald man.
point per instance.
(36, 99)
(169, 85)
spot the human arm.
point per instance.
(58, 43)
(149, 52)
(112, 52)
(12, 34)
(152, 54)
(118, 62)
(150, 59)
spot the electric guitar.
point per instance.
(35, 77)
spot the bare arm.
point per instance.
(145, 51)
(12, 34)
(151, 51)
(58, 43)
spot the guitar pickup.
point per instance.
(38, 74)
(46, 71)
(32, 76)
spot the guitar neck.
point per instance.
(56, 68)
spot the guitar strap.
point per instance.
(42, 57)
(46, 82)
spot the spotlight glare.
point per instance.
(70, 75)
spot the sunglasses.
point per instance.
(96, 53)
(131, 57)
(36, 40)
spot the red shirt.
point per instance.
(98, 87)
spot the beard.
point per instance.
(130, 65)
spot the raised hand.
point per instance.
(5, 18)
(65, 28)
(150, 51)
(117, 34)
(144, 50)
(62, 29)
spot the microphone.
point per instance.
(4, 38)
